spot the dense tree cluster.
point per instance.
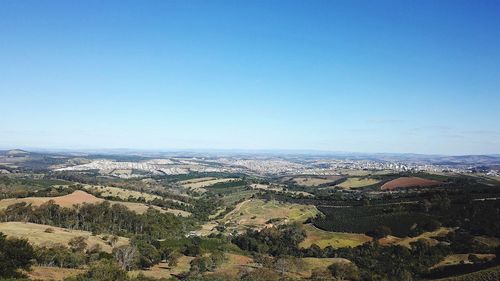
(281, 240)
(378, 262)
(62, 256)
(15, 254)
(101, 218)
(401, 220)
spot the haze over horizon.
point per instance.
(308, 75)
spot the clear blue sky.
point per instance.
(366, 76)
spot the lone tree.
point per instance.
(127, 256)
(344, 271)
(77, 244)
(285, 264)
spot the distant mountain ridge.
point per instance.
(493, 159)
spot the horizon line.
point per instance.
(227, 150)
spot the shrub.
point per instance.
(49, 230)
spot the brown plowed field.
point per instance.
(406, 182)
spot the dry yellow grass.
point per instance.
(357, 182)
(77, 197)
(360, 173)
(278, 188)
(199, 184)
(315, 180)
(122, 172)
(80, 197)
(142, 208)
(207, 228)
(52, 273)
(195, 180)
(121, 193)
(310, 264)
(426, 236)
(162, 270)
(254, 213)
(324, 238)
(497, 178)
(35, 233)
(232, 266)
(461, 258)
(266, 187)
(488, 241)
(236, 263)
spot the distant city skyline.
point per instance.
(343, 76)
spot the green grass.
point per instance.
(234, 197)
(357, 182)
(255, 213)
(324, 238)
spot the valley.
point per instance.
(225, 219)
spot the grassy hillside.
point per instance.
(81, 197)
(353, 182)
(324, 238)
(255, 213)
(45, 235)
